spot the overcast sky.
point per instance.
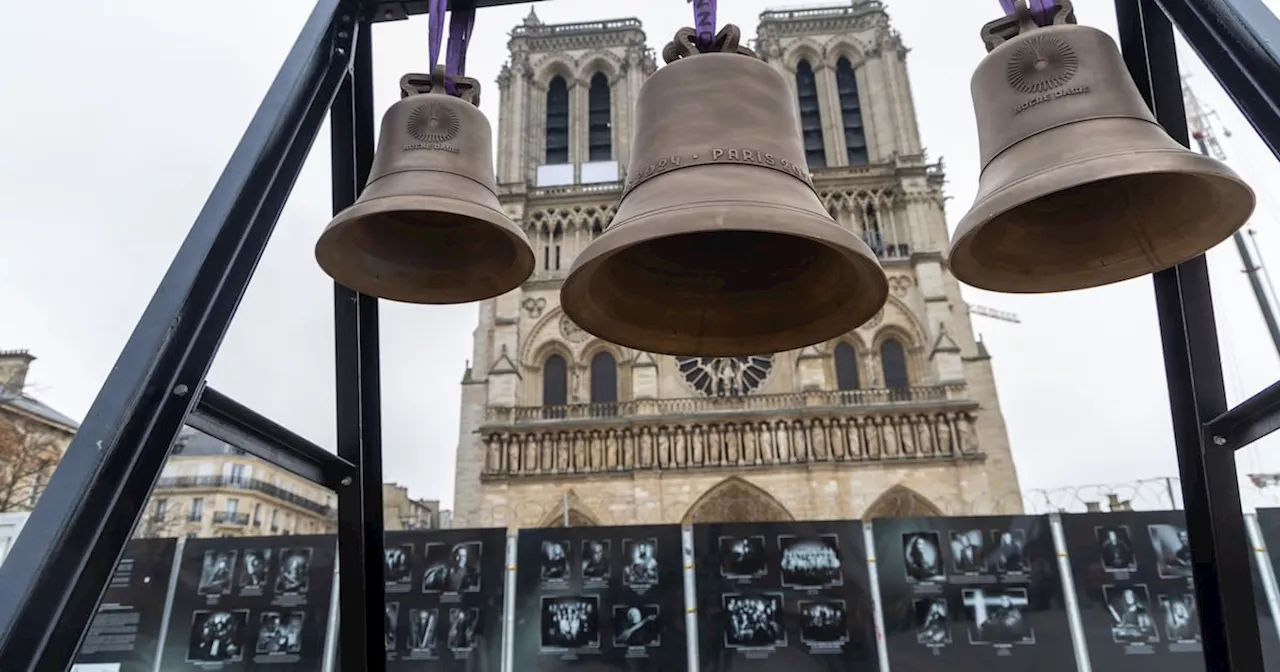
(119, 117)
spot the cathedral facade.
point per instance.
(898, 417)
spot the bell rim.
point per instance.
(1178, 161)
(874, 284)
(340, 228)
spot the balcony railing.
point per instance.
(752, 403)
(229, 518)
(252, 484)
(831, 438)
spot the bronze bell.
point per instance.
(720, 245)
(428, 227)
(1080, 185)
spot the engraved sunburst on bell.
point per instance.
(433, 123)
(1042, 63)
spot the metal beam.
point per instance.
(228, 420)
(1193, 369)
(361, 587)
(1249, 421)
(1239, 41)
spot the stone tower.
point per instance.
(898, 417)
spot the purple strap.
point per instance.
(461, 22)
(704, 22)
(435, 29)
(1041, 10)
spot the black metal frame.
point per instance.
(52, 581)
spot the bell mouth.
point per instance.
(1101, 232)
(725, 293)
(428, 250)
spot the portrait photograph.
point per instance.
(1131, 619)
(636, 625)
(217, 636)
(280, 633)
(451, 568)
(253, 570)
(399, 565)
(1115, 548)
(1008, 551)
(996, 616)
(1181, 620)
(464, 623)
(423, 624)
(810, 562)
(933, 625)
(294, 576)
(641, 556)
(1172, 550)
(743, 557)
(555, 560)
(922, 556)
(968, 552)
(216, 571)
(595, 560)
(393, 624)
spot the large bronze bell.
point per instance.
(1080, 186)
(721, 246)
(428, 227)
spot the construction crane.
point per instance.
(1002, 315)
(1200, 123)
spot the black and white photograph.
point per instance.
(253, 570)
(968, 552)
(262, 600)
(933, 626)
(1131, 619)
(754, 621)
(743, 558)
(216, 573)
(570, 622)
(423, 628)
(1008, 551)
(463, 624)
(636, 625)
(217, 636)
(392, 613)
(595, 560)
(1172, 549)
(996, 616)
(452, 568)
(280, 633)
(922, 556)
(1181, 622)
(810, 562)
(294, 576)
(399, 566)
(1115, 548)
(617, 602)
(824, 623)
(555, 561)
(641, 556)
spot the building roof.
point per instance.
(194, 443)
(32, 406)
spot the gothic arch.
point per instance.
(556, 63)
(897, 316)
(901, 502)
(804, 49)
(848, 48)
(533, 348)
(595, 346)
(579, 514)
(599, 61)
(735, 500)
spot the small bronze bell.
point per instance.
(428, 228)
(721, 246)
(1080, 186)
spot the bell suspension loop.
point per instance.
(1040, 11)
(704, 24)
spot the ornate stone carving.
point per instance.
(572, 332)
(534, 307)
(725, 376)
